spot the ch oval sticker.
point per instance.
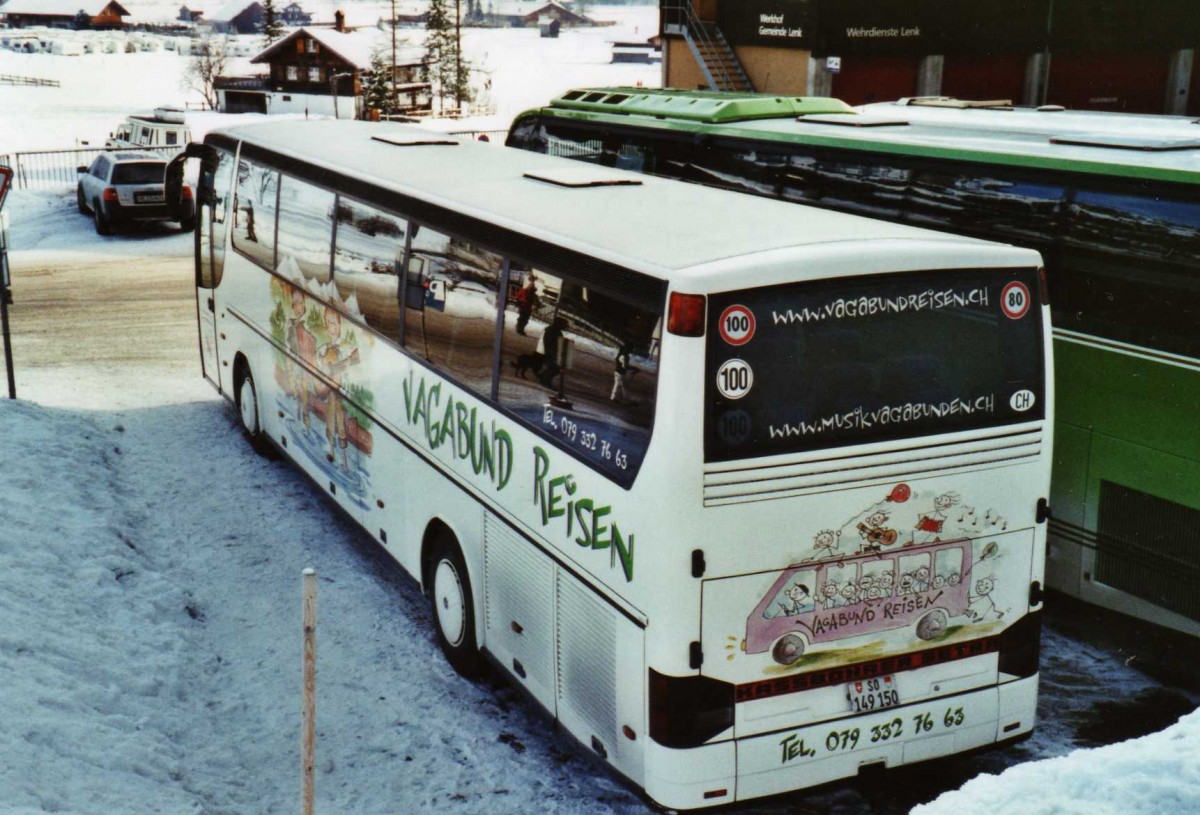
(1022, 400)
(735, 378)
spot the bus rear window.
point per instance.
(824, 364)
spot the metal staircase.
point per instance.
(721, 68)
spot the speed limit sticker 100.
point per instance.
(735, 378)
(737, 325)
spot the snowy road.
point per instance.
(180, 676)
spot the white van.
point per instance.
(165, 127)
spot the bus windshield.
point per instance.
(824, 364)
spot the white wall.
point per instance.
(313, 104)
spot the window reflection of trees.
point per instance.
(305, 228)
(254, 213)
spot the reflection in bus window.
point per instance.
(305, 229)
(453, 298)
(554, 140)
(1127, 270)
(865, 187)
(797, 596)
(979, 204)
(254, 213)
(368, 246)
(586, 360)
(750, 171)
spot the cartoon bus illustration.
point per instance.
(836, 598)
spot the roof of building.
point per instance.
(354, 47)
(61, 8)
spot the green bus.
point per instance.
(1112, 201)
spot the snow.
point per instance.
(150, 567)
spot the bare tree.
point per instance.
(207, 62)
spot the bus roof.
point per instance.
(621, 219)
(1163, 148)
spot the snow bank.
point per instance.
(1157, 774)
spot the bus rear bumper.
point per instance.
(791, 760)
(809, 756)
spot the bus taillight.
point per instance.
(687, 711)
(685, 316)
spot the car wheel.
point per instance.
(453, 607)
(788, 649)
(103, 227)
(932, 625)
(79, 200)
(187, 224)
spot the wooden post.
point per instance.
(308, 733)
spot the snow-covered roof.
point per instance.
(61, 8)
(224, 12)
(354, 47)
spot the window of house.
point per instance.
(293, 73)
(314, 74)
(452, 299)
(368, 247)
(305, 230)
(313, 46)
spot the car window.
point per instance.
(139, 173)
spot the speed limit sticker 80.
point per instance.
(735, 378)
(1014, 300)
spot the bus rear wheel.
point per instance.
(932, 625)
(453, 606)
(788, 649)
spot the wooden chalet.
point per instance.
(99, 14)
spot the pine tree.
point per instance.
(449, 72)
(377, 84)
(272, 24)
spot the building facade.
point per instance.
(1123, 55)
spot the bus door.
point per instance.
(216, 171)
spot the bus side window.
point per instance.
(254, 213)
(587, 353)
(453, 297)
(305, 230)
(368, 244)
(745, 170)
(1126, 271)
(978, 201)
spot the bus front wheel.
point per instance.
(453, 606)
(247, 405)
(788, 649)
(932, 625)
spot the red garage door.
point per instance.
(984, 77)
(1133, 82)
(875, 79)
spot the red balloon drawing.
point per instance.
(900, 494)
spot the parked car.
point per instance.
(128, 186)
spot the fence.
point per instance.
(9, 79)
(45, 169)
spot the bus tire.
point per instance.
(453, 605)
(788, 649)
(247, 405)
(932, 625)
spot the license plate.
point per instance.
(149, 198)
(873, 694)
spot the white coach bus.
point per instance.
(749, 496)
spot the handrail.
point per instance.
(698, 30)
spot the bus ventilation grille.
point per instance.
(733, 483)
(587, 660)
(1149, 547)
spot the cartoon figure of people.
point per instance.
(829, 594)
(907, 584)
(801, 600)
(335, 357)
(299, 340)
(931, 525)
(921, 578)
(849, 594)
(983, 604)
(824, 543)
(886, 582)
(874, 533)
(527, 300)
